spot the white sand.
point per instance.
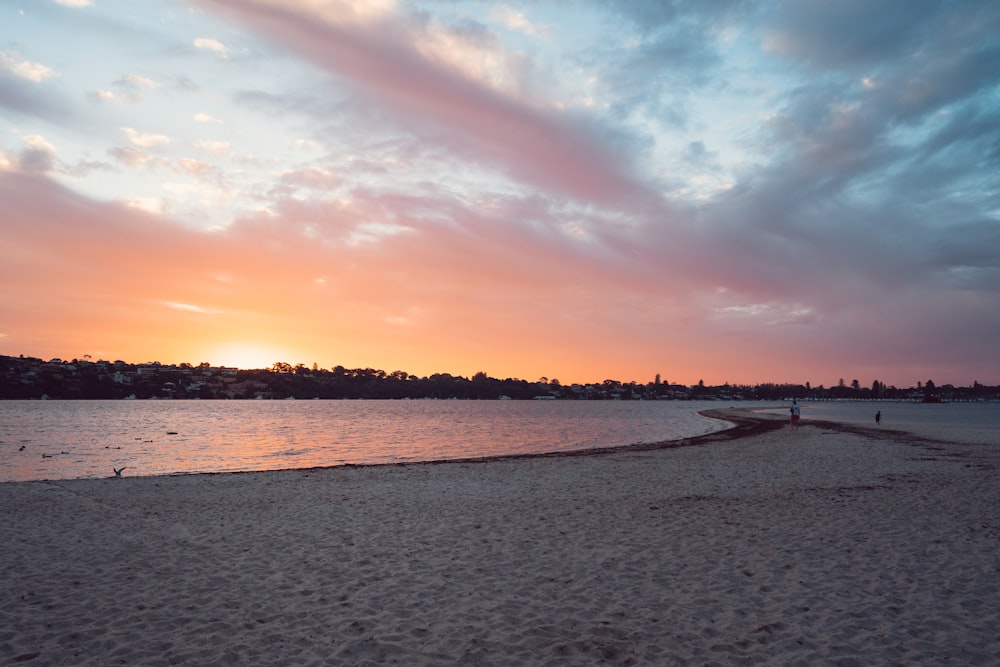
(808, 546)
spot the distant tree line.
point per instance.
(31, 378)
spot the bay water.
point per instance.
(80, 439)
(48, 440)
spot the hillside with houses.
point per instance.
(33, 378)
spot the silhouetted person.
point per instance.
(795, 413)
(878, 417)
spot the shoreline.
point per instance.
(742, 426)
(741, 422)
(78, 455)
(823, 544)
(744, 423)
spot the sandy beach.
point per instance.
(764, 544)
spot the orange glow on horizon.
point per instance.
(433, 300)
(246, 356)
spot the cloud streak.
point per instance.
(534, 144)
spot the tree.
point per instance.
(930, 392)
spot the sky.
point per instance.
(744, 192)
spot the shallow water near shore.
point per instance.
(86, 439)
(973, 423)
(79, 439)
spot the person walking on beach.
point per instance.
(878, 417)
(795, 413)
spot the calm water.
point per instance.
(976, 423)
(72, 439)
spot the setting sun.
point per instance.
(248, 355)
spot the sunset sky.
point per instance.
(723, 191)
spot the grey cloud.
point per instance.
(650, 16)
(30, 99)
(698, 154)
(836, 138)
(975, 125)
(678, 57)
(919, 85)
(850, 33)
(85, 167)
(37, 160)
(475, 33)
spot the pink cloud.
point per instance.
(196, 167)
(541, 147)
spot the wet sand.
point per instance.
(763, 544)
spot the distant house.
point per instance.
(53, 369)
(123, 377)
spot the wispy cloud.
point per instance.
(196, 167)
(209, 44)
(543, 147)
(38, 155)
(133, 157)
(514, 19)
(191, 308)
(206, 118)
(29, 71)
(134, 81)
(145, 139)
(214, 146)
